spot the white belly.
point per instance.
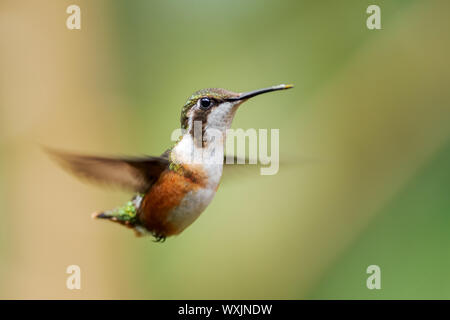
(192, 205)
(196, 201)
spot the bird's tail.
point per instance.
(125, 215)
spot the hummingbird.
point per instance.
(170, 191)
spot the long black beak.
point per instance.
(247, 95)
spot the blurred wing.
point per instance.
(134, 174)
(241, 166)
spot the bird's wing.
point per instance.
(241, 166)
(236, 160)
(134, 174)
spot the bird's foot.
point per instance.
(159, 238)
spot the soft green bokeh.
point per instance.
(409, 241)
(364, 134)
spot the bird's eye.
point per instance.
(205, 103)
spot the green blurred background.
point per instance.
(368, 125)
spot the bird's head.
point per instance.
(215, 108)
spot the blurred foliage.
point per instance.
(409, 240)
(366, 124)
